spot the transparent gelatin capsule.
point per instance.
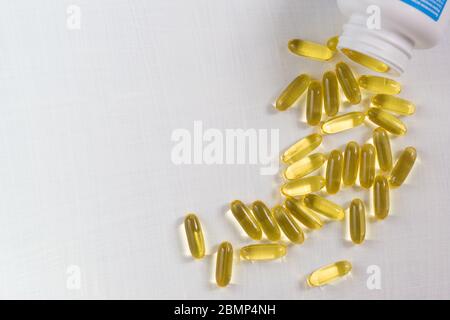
(331, 95)
(393, 104)
(287, 223)
(357, 221)
(314, 103)
(343, 122)
(351, 163)
(310, 49)
(293, 92)
(334, 172)
(367, 61)
(303, 214)
(348, 83)
(403, 167)
(224, 264)
(266, 220)
(302, 148)
(329, 273)
(380, 85)
(194, 235)
(324, 207)
(387, 121)
(301, 187)
(263, 252)
(246, 219)
(305, 166)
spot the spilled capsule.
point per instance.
(351, 163)
(267, 221)
(393, 104)
(194, 235)
(303, 186)
(310, 49)
(293, 92)
(383, 149)
(302, 148)
(381, 198)
(334, 172)
(344, 122)
(367, 166)
(348, 83)
(305, 166)
(263, 252)
(324, 207)
(246, 219)
(403, 167)
(357, 221)
(329, 273)
(314, 103)
(332, 43)
(303, 214)
(366, 61)
(387, 121)
(290, 228)
(380, 85)
(224, 264)
(331, 96)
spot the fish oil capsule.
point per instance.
(246, 219)
(387, 121)
(334, 172)
(262, 252)
(331, 97)
(393, 104)
(303, 186)
(314, 104)
(381, 200)
(403, 167)
(224, 264)
(324, 207)
(351, 163)
(194, 235)
(329, 273)
(290, 228)
(310, 49)
(293, 92)
(348, 83)
(357, 221)
(332, 43)
(380, 85)
(305, 166)
(366, 61)
(367, 166)
(344, 122)
(303, 214)
(383, 148)
(302, 148)
(267, 221)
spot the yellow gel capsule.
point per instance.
(393, 104)
(348, 83)
(383, 147)
(366, 61)
(334, 172)
(293, 92)
(331, 97)
(387, 121)
(310, 49)
(224, 264)
(267, 221)
(194, 235)
(305, 166)
(302, 148)
(246, 219)
(403, 167)
(263, 252)
(332, 43)
(351, 163)
(303, 214)
(381, 197)
(357, 221)
(314, 103)
(367, 166)
(290, 228)
(344, 122)
(324, 207)
(380, 85)
(329, 273)
(303, 186)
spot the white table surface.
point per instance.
(86, 177)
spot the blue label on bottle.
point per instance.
(432, 8)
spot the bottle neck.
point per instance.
(391, 48)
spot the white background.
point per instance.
(86, 177)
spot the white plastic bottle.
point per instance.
(404, 25)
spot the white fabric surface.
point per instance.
(86, 178)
